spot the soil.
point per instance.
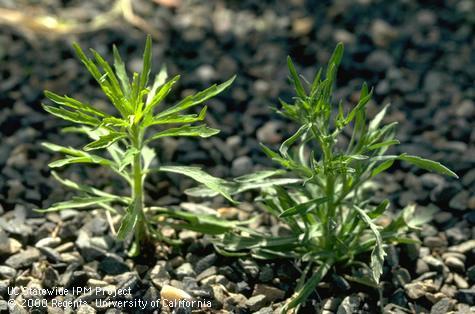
(418, 55)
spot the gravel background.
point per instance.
(418, 55)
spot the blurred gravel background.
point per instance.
(418, 55)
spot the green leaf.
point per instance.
(72, 116)
(181, 118)
(128, 158)
(128, 222)
(382, 167)
(196, 99)
(379, 210)
(301, 295)
(427, 164)
(77, 202)
(121, 71)
(105, 141)
(361, 104)
(258, 176)
(374, 124)
(303, 208)
(200, 176)
(295, 78)
(186, 130)
(89, 189)
(378, 254)
(291, 140)
(159, 96)
(73, 103)
(383, 144)
(147, 62)
(64, 150)
(335, 59)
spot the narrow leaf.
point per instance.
(200, 176)
(105, 141)
(186, 130)
(295, 79)
(427, 164)
(377, 255)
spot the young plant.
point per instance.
(121, 139)
(323, 198)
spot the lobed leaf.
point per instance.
(105, 141)
(196, 99)
(77, 202)
(378, 254)
(186, 130)
(213, 183)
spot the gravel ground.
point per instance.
(419, 57)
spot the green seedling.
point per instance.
(323, 194)
(120, 141)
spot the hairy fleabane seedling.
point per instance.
(320, 196)
(123, 138)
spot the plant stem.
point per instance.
(141, 230)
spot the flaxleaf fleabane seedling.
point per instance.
(322, 197)
(121, 140)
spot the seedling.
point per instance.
(122, 139)
(322, 195)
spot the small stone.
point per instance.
(8, 246)
(271, 293)
(349, 305)
(302, 26)
(85, 309)
(7, 272)
(433, 262)
(435, 242)
(466, 296)
(442, 307)
(113, 265)
(421, 267)
(170, 293)
(205, 263)
(48, 242)
(159, 275)
(460, 282)
(455, 264)
(241, 166)
(23, 259)
(442, 218)
(213, 270)
(269, 133)
(463, 247)
(250, 267)
(470, 273)
(418, 289)
(460, 200)
(379, 61)
(266, 274)
(185, 270)
(256, 302)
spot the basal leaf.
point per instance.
(77, 202)
(128, 222)
(378, 254)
